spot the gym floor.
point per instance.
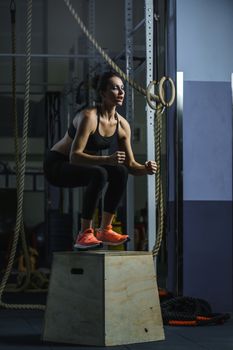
(22, 329)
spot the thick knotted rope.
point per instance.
(21, 178)
(160, 98)
(16, 143)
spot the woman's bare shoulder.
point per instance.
(90, 112)
(123, 122)
(86, 116)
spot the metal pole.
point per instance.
(232, 126)
(131, 33)
(91, 49)
(129, 112)
(179, 184)
(150, 125)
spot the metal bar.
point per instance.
(179, 185)
(139, 25)
(119, 55)
(150, 126)
(129, 113)
(140, 68)
(129, 60)
(34, 84)
(157, 40)
(45, 42)
(232, 90)
(232, 139)
(38, 55)
(21, 93)
(91, 49)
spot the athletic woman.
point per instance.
(76, 160)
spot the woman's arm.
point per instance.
(135, 168)
(86, 126)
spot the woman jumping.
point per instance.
(76, 161)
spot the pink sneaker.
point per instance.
(109, 237)
(87, 240)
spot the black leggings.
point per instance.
(60, 172)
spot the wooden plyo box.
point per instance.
(103, 298)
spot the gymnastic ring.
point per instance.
(150, 97)
(161, 92)
(157, 106)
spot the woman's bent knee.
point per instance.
(100, 176)
(122, 172)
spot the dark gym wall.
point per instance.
(205, 56)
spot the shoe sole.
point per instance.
(87, 247)
(116, 244)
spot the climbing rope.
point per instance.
(16, 144)
(159, 185)
(159, 196)
(157, 102)
(158, 98)
(21, 178)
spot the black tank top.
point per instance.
(97, 142)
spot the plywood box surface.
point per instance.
(103, 298)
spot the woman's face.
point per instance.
(114, 93)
